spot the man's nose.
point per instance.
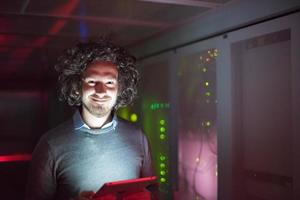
(100, 88)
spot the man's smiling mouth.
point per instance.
(100, 100)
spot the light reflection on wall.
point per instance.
(197, 126)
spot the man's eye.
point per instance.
(110, 82)
(90, 82)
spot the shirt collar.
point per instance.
(79, 123)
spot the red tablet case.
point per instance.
(133, 189)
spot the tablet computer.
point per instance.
(125, 186)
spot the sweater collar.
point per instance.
(80, 125)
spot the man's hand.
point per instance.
(86, 195)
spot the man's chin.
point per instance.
(98, 111)
(99, 115)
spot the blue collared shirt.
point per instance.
(80, 125)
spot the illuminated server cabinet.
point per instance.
(231, 108)
(157, 113)
(265, 133)
(178, 111)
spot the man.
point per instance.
(73, 160)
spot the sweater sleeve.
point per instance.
(147, 168)
(42, 179)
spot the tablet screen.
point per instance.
(125, 185)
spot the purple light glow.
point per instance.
(198, 164)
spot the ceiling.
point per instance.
(34, 32)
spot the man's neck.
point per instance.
(94, 121)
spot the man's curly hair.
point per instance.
(75, 60)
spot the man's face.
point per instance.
(100, 88)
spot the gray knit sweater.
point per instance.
(69, 160)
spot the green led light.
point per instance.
(207, 94)
(133, 117)
(162, 136)
(162, 129)
(162, 122)
(204, 69)
(163, 180)
(162, 165)
(152, 107)
(155, 106)
(206, 83)
(162, 157)
(162, 172)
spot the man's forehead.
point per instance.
(101, 68)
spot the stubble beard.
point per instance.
(98, 110)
